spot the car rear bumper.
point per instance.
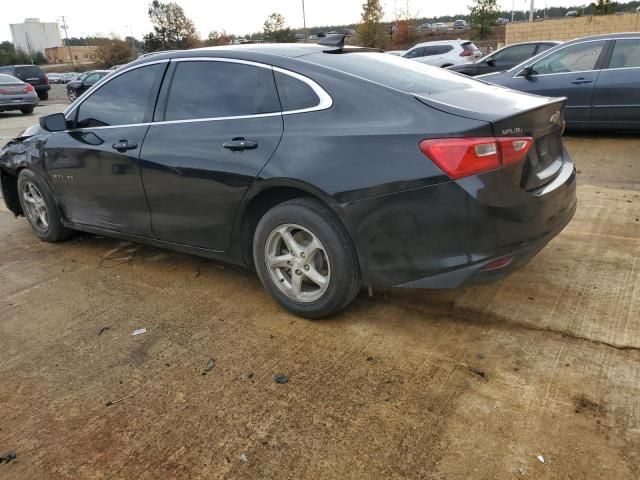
(442, 236)
(9, 104)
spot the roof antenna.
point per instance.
(335, 40)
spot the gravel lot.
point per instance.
(470, 383)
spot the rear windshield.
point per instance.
(399, 73)
(29, 71)
(470, 46)
(8, 79)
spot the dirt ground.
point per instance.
(386, 390)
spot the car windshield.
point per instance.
(31, 71)
(395, 72)
(8, 79)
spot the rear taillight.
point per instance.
(28, 88)
(466, 53)
(461, 157)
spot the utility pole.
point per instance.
(66, 37)
(304, 23)
(531, 10)
(513, 6)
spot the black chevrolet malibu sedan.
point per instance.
(326, 168)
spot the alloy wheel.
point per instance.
(72, 95)
(297, 262)
(36, 208)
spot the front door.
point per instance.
(570, 72)
(207, 148)
(94, 167)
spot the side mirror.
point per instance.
(490, 61)
(56, 122)
(527, 71)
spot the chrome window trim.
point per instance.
(562, 47)
(325, 100)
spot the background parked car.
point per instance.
(460, 25)
(77, 87)
(444, 53)
(504, 59)
(599, 75)
(55, 78)
(31, 74)
(397, 53)
(16, 95)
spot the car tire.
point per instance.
(40, 208)
(72, 94)
(43, 95)
(27, 110)
(318, 274)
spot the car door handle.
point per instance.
(239, 144)
(581, 80)
(124, 145)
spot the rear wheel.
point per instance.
(305, 259)
(27, 110)
(40, 208)
(43, 95)
(72, 94)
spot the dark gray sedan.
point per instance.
(16, 95)
(599, 75)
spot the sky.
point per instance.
(126, 17)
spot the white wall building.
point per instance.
(34, 36)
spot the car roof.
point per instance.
(441, 42)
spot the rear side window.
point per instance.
(205, 89)
(626, 53)
(395, 72)
(294, 94)
(29, 71)
(514, 55)
(126, 99)
(437, 50)
(469, 47)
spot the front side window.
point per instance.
(126, 99)
(415, 53)
(574, 58)
(626, 53)
(212, 89)
(91, 78)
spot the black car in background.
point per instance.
(75, 88)
(504, 58)
(31, 74)
(326, 168)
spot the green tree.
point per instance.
(114, 51)
(484, 13)
(275, 30)
(369, 31)
(171, 28)
(39, 58)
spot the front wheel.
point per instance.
(72, 94)
(305, 258)
(40, 208)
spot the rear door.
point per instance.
(94, 167)
(569, 72)
(218, 125)
(616, 97)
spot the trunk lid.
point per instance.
(514, 114)
(11, 88)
